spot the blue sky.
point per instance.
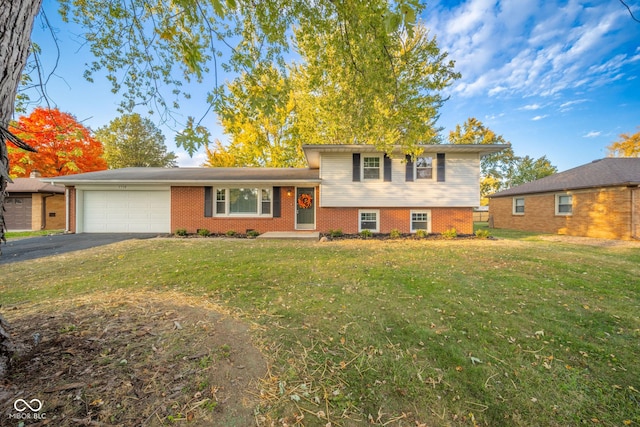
(554, 78)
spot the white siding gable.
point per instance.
(460, 189)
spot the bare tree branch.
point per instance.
(630, 12)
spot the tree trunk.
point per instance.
(16, 23)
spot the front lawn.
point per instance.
(516, 331)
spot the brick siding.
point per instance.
(187, 211)
(600, 213)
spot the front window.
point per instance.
(221, 201)
(371, 168)
(369, 221)
(243, 201)
(518, 206)
(266, 201)
(564, 204)
(420, 221)
(424, 168)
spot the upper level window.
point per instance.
(564, 204)
(424, 168)
(371, 167)
(518, 205)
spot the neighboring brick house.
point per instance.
(347, 187)
(34, 205)
(600, 199)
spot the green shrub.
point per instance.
(365, 234)
(336, 233)
(421, 234)
(181, 232)
(203, 232)
(231, 233)
(395, 234)
(451, 233)
(482, 233)
(253, 233)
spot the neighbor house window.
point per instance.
(243, 201)
(369, 220)
(420, 221)
(424, 168)
(518, 205)
(371, 167)
(564, 204)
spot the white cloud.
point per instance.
(592, 134)
(532, 47)
(531, 107)
(536, 118)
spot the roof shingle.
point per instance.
(605, 172)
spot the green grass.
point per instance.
(513, 331)
(15, 234)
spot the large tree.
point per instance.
(144, 45)
(133, 141)
(501, 170)
(257, 112)
(627, 146)
(385, 101)
(65, 147)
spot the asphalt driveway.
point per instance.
(43, 246)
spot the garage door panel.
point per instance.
(127, 211)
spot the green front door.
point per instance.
(305, 208)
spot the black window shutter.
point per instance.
(441, 161)
(208, 201)
(409, 169)
(276, 202)
(356, 167)
(387, 168)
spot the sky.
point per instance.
(554, 78)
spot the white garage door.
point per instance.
(127, 211)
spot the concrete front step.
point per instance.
(291, 235)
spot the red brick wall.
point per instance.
(187, 211)
(72, 210)
(601, 213)
(442, 219)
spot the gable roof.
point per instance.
(32, 185)
(605, 172)
(195, 175)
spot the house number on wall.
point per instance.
(122, 187)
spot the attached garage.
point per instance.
(124, 211)
(18, 213)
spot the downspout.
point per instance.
(634, 221)
(43, 217)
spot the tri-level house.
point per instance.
(346, 187)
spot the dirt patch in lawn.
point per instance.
(130, 358)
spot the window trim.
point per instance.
(557, 204)
(375, 211)
(515, 206)
(420, 211)
(433, 168)
(227, 202)
(380, 167)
